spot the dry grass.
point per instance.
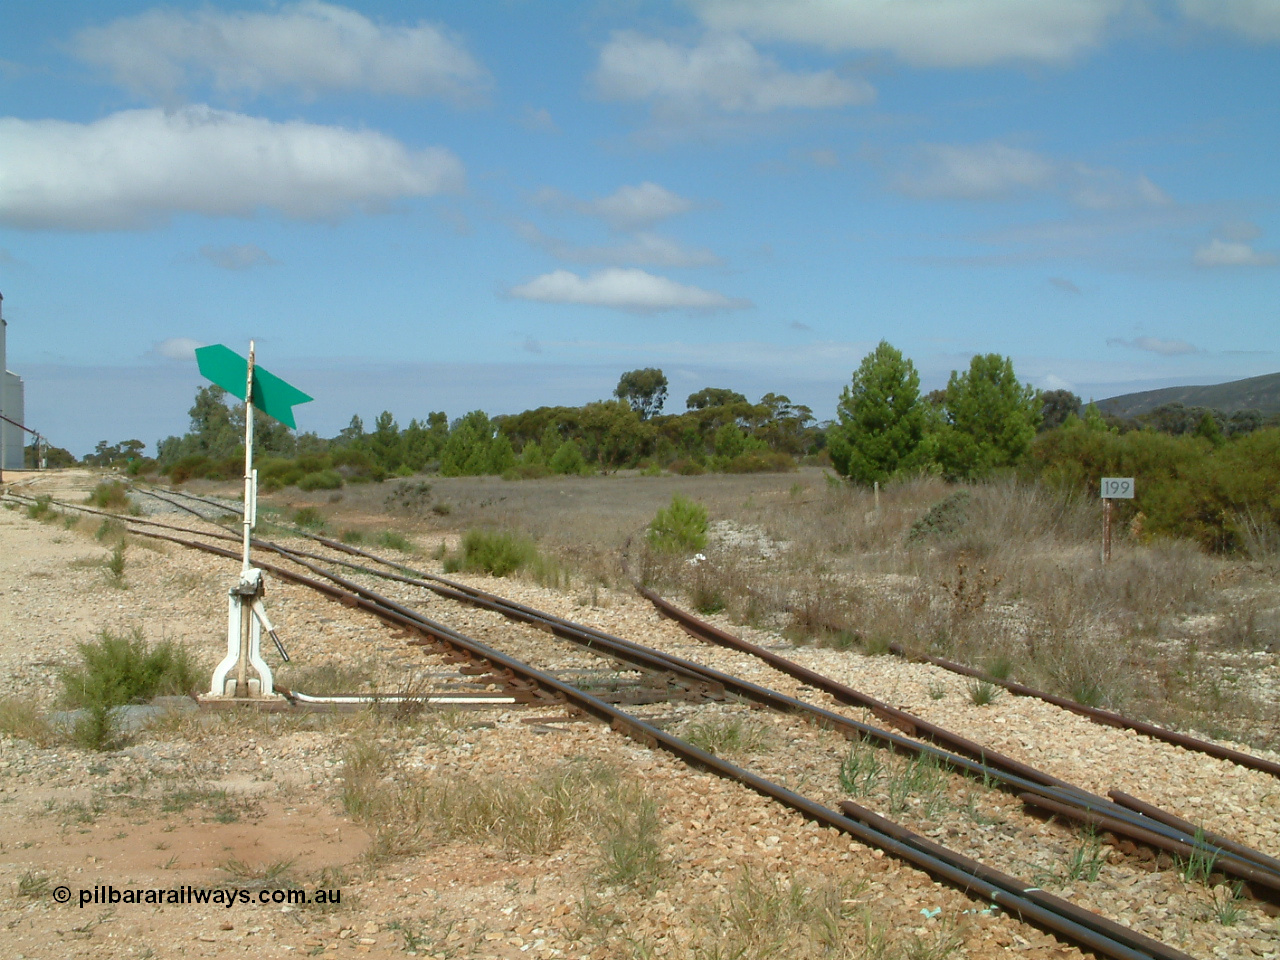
(1012, 580)
(406, 808)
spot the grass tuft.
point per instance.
(983, 692)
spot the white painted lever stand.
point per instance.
(243, 675)
(235, 677)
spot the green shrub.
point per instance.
(496, 553)
(394, 540)
(109, 495)
(42, 509)
(115, 566)
(116, 670)
(679, 528)
(760, 461)
(944, 519)
(309, 518)
(568, 459)
(321, 480)
(686, 468)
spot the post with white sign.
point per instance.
(243, 676)
(1113, 488)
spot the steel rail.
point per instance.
(908, 723)
(1105, 717)
(992, 875)
(1093, 932)
(1187, 827)
(1182, 831)
(1223, 861)
(625, 649)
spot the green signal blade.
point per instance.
(273, 396)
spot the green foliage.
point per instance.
(944, 519)
(123, 454)
(881, 420)
(117, 670)
(42, 509)
(320, 480)
(713, 397)
(115, 566)
(758, 461)
(1056, 406)
(309, 518)
(109, 494)
(395, 540)
(983, 692)
(989, 418)
(497, 553)
(475, 448)
(645, 390)
(568, 460)
(1186, 487)
(679, 528)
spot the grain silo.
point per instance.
(11, 407)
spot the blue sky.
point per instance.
(502, 204)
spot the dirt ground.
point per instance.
(253, 804)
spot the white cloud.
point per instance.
(974, 172)
(1065, 285)
(1051, 381)
(138, 167)
(643, 249)
(177, 348)
(1166, 348)
(935, 33)
(1099, 189)
(1228, 253)
(721, 73)
(997, 171)
(239, 256)
(630, 208)
(539, 121)
(311, 46)
(627, 208)
(622, 289)
(1257, 20)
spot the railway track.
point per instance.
(702, 684)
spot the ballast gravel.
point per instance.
(82, 818)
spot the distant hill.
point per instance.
(1255, 393)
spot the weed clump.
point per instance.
(42, 509)
(679, 528)
(109, 495)
(394, 540)
(309, 518)
(728, 735)
(118, 670)
(115, 566)
(497, 553)
(943, 520)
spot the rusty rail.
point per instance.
(1221, 860)
(691, 673)
(1086, 929)
(1105, 717)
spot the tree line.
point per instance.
(1202, 474)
